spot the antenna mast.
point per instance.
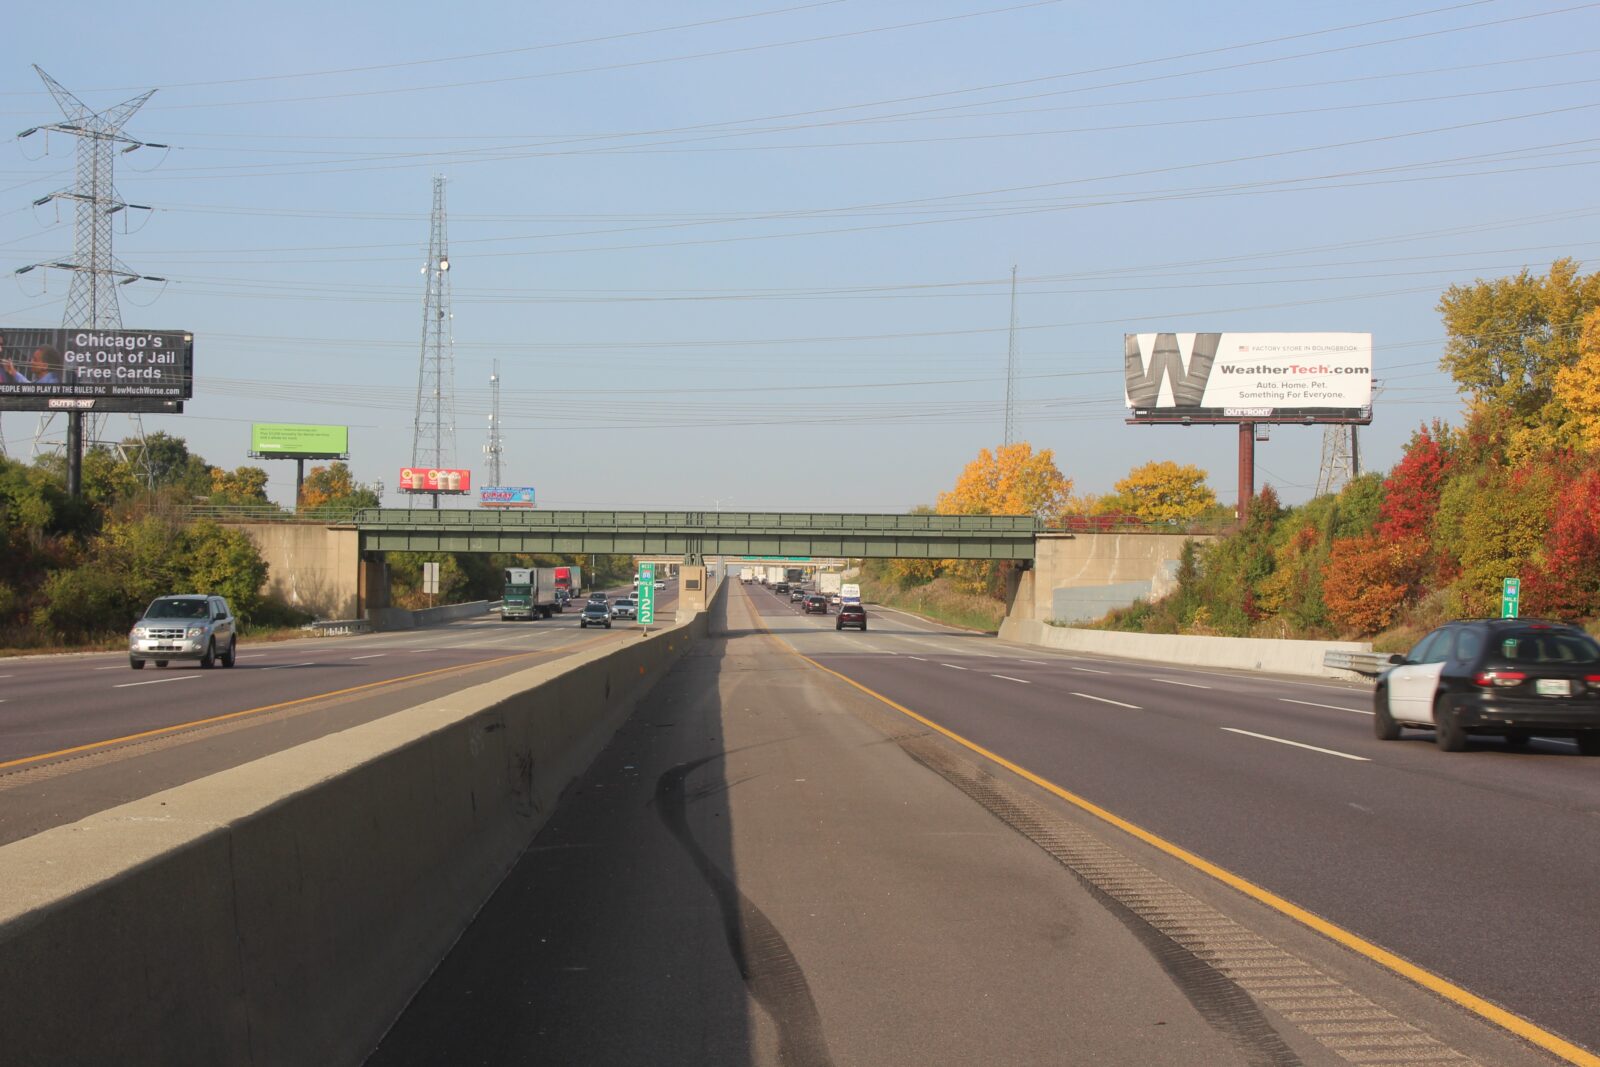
(1011, 366)
(496, 446)
(433, 444)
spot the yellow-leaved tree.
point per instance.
(1159, 491)
(1578, 386)
(1011, 480)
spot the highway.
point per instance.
(783, 859)
(81, 733)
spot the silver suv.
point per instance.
(184, 627)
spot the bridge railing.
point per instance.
(705, 520)
(252, 513)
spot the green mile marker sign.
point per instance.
(647, 594)
(1510, 597)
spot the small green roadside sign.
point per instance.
(647, 594)
(1510, 597)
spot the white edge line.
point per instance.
(1008, 678)
(1330, 707)
(1297, 744)
(285, 666)
(1105, 700)
(158, 681)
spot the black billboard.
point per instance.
(114, 369)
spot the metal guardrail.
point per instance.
(338, 627)
(1369, 663)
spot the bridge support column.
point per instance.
(1019, 596)
(372, 590)
(691, 587)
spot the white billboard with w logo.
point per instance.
(1247, 376)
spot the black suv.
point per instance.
(816, 605)
(1511, 677)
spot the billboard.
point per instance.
(435, 480)
(504, 496)
(53, 369)
(298, 441)
(1248, 377)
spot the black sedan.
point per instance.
(815, 605)
(1510, 677)
(595, 613)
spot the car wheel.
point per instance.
(863, 627)
(161, 663)
(1384, 728)
(583, 624)
(1588, 743)
(838, 626)
(136, 664)
(232, 654)
(1448, 733)
(209, 660)
(608, 626)
(1518, 738)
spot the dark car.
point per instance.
(781, 587)
(816, 604)
(851, 615)
(796, 594)
(598, 598)
(595, 613)
(1511, 677)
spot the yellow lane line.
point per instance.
(92, 745)
(1493, 1013)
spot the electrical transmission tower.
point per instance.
(433, 444)
(96, 272)
(1011, 366)
(1341, 455)
(496, 446)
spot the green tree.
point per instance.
(1510, 338)
(242, 486)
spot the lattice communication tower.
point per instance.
(433, 443)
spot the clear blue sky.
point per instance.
(757, 256)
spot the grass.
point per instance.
(939, 602)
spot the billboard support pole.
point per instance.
(299, 479)
(1247, 469)
(75, 454)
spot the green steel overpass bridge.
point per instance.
(695, 536)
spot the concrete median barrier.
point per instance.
(1242, 653)
(284, 912)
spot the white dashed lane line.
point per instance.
(286, 666)
(953, 667)
(158, 681)
(1297, 744)
(1008, 678)
(1088, 670)
(1174, 681)
(375, 655)
(1105, 700)
(1330, 707)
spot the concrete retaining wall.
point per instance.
(402, 619)
(283, 912)
(1243, 653)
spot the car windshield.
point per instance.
(178, 608)
(1536, 646)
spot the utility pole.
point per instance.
(433, 443)
(96, 273)
(495, 446)
(1011, 366)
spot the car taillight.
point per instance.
(1498, 679)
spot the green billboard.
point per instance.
(296, 439)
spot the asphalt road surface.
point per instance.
(771, 864)
(81, 733)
